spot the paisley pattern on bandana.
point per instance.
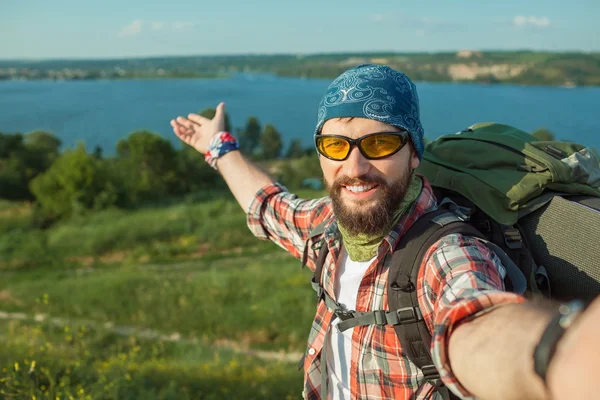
(375, 92)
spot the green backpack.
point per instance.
(535, 203)
(545, 194)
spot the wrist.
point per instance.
(221, 144)
(552, 336)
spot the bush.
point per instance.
(75, 182)
(147, 165)
(293, 173)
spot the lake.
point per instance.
(102, 112)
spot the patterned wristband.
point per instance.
(221, 144)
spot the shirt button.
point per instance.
(311, 351)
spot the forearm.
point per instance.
(492, 355)
(243, 177)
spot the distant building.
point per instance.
(468, 54)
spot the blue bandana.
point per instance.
(375, 92)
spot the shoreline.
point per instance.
(568, 85)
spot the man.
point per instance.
(370, 140)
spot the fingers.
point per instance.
(177, 126)
(181, 130)
(198, 119)
(186, 123)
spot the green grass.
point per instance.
(74, 362)
(189, 228)
(190, 268)
(264, 300)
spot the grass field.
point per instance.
(228, 313)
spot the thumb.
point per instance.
(220, 112)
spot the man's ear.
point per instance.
(414, 162)
(414, 158)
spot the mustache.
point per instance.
(361, 180)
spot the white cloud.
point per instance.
(377, 17)
(158, 25)
(430, 20)
(523, 21)
(134, 28)
(179, 26)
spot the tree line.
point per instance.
(530, 67)
(146, 168)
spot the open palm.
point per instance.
(197, 131)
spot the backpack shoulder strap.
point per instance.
(321, 247)
(316, 231)
(406, 262)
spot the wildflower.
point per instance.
(32, 367)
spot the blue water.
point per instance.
(102, 112)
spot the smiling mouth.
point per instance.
(360, 188)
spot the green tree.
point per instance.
(42, 148)
(75, 182)
(147, 164)
(13, 179)
(98, 152)
(22, 158)
(10, 143)
(210, 113)
(43, 140)
(250, 136)
(193, 173)
(296, 173)
(12, 168)
(544, 134)
(295, 150)
(270, 142)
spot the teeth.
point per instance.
(358, 189)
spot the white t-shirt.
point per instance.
(348, 276)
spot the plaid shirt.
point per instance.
(460, 279)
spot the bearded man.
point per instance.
(369, 139)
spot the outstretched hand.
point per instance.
(197, 131)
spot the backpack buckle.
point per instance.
(462, 213)
(343, 315)
(409, 315)
(512, 238)
(430, 372)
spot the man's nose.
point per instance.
(356, 165)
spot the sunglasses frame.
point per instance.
(356, 142)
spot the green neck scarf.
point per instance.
(363, 247)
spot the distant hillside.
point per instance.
(519, 67)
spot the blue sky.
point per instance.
(36, 29)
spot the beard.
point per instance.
(373, 216)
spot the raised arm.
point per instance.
(243, 178)
(273, 213)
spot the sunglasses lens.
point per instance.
(333, 147)
(378, 146)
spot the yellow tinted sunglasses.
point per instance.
(373, 146)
